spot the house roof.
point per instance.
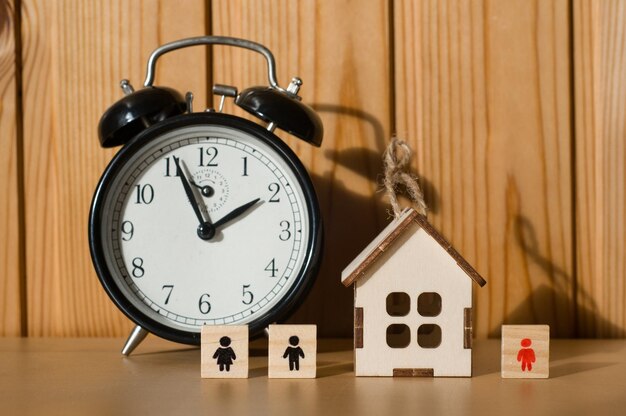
(357, 268)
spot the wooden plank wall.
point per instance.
(348, 82)
(66, 90)
(10, 239)
(513, 108)
(600, 85)
(483, 93)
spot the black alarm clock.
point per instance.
(205, 218)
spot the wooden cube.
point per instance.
(292, 351)
(525, 351)
(224, 351)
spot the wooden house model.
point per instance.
(412, 303)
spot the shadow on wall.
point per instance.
(351, 221)
(545, 303)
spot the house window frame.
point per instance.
(419, 320)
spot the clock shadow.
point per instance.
(354, 210)
(174, 351)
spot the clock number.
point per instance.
(211, 153)
(245, 166)
(170, 288)
(203, 304)
(274, 187)
(168, 166)
(144, 194)
(250, 296)
(285, 233)
(128, 230)
(138, 270)
(271, 267)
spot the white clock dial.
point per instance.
(149, 228)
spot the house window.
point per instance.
(429, 336)
(398, 304)
(398, 336)
(429, 304)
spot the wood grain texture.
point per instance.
(10, 297)
(482, 93)
(74, 55)
(341, 51)
(600, 103)
(521, 161)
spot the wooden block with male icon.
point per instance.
(525, 351)
(292, 351)
(224, 351)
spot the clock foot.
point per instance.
(266, 331)
(137, 335)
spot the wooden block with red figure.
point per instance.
(525, 351)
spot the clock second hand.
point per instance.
(206, 230)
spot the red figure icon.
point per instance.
(526, 355)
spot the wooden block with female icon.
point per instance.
(292, 351)
(224, 351)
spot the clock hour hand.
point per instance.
(205, 190)
(235, 213)
(206, 230)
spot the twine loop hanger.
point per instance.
(396, 164)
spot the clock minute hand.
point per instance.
(235, 213)
(189, 192)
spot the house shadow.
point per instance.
(174, 351)
(565, 294)
(352, 220)
(562, 305)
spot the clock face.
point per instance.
(146, 241)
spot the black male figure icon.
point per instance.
(290, 362)
(294, 352)
(224, 354)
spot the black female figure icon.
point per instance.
(224, 354)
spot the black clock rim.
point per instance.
(304, 279)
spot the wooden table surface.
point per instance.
(89, 376)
